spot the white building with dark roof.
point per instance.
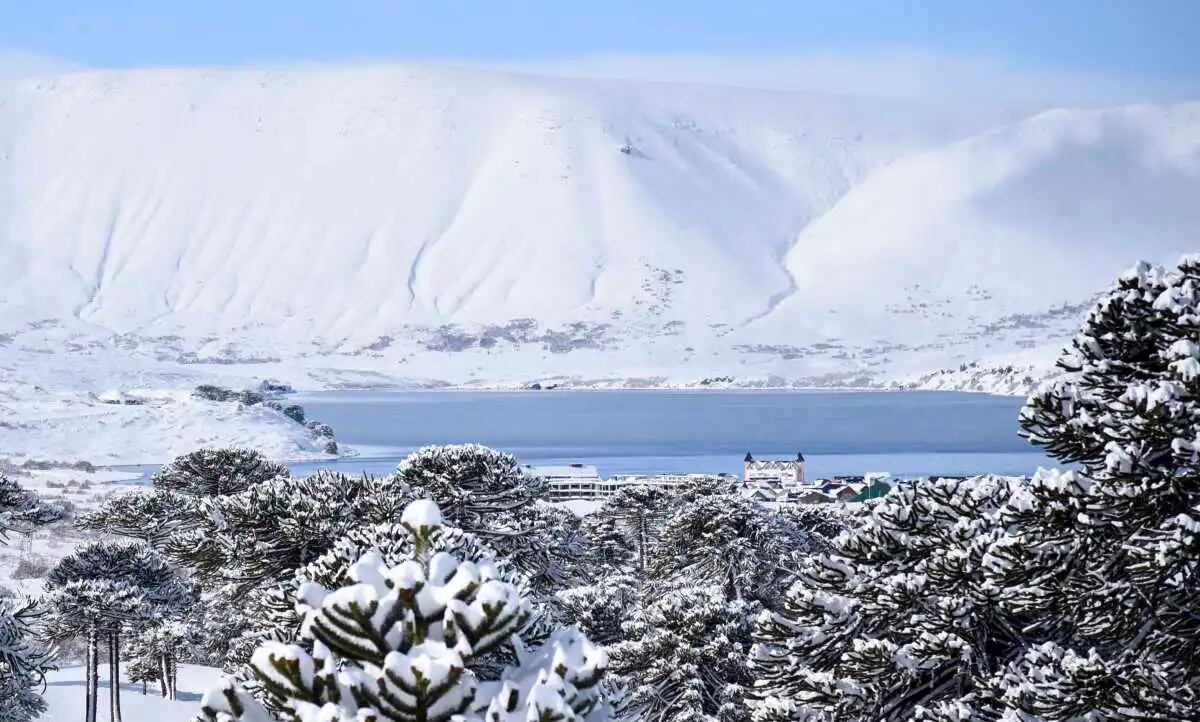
(784, 472)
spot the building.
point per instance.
(582, 481)
(570, 481)
(786, 472)
(667, 482)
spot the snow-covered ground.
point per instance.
(26, 558)
(163, 425)
(65, 696)
(408, 226)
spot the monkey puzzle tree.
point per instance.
(1069, 596)
(23, 659)
(399, 642)
(102, 590)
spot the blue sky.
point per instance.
(1154, 43)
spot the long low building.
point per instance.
(582, 481)
(570, 481)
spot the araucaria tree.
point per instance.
(469, 482)
(400, 642)
(683, 657)
(1107, 561)
(1072, 596)
(174, 501)
(722, 539)
(154, 651)
(21, 510)
(102, 590)
(23, 663)
(637, 512)
(237, 522)
(273, 612)
(896, 616)
(23, 660)
(216, 472)
(678, 624)
(487, 493)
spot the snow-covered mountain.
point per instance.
(337, 225)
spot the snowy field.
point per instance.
(64, 696)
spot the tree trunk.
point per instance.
(174, 679)
(92, 675)
(642, 546)
(164, 676)
(114, 678)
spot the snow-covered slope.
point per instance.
(343, 202)
(415, 224)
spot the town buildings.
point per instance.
(769, 481)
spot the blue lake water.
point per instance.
(904, 433)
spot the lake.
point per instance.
(904, 433)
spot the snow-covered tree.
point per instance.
(95, 610)
(23, 662)
(153, 653)
(1071, 596)
(21, 510)
(637, 512)
(896, 616)
(273, 611)
(728, 541)
(543, 541)
(103, 589)
(470, 482)
(399, 642)
(216, 472)
(601, 607)
(821, 522)
(173, 503)
(684, 657)
(152, 516)
(487, 493)
(1108, 559)
(605, 546)
(260, 535)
